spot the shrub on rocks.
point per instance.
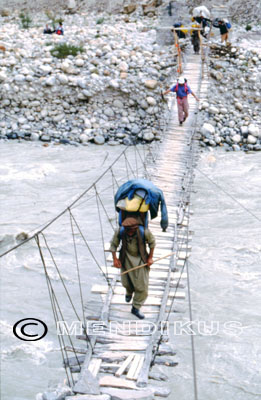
(63, 50)
(25, 20)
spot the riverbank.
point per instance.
(230, 115)
(110, 91)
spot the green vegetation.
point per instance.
(248, 27)
(100, 21)
(63, 50)
(55, 20)
(25, 20)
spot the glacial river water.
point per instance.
(38, 182)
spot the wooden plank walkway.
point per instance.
(118, 362)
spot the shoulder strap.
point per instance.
(142, 232)
(121, 231)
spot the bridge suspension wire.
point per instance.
(192, 336)
(90, 250)
(60, 276)
(101, 226)
(43, 227)
(229, 195)
(78, 270)
(114, 192)
(56, 311)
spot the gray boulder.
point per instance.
(99, 140)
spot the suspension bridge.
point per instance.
(117, 352)
(118, 361)
(120, 351)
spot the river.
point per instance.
(38, 182)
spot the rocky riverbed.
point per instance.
(109, 92)
(230, 115)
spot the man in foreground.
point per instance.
(133, 253)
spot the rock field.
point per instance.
(110, 91)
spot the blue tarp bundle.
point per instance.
(154, 197)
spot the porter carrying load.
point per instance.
(133, 200)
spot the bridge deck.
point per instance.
(118, 361)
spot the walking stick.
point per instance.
(144, 265)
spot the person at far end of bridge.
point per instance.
(133, 253)
(182, 90)
(195, 37)
(223, 31)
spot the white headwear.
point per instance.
(181, 80)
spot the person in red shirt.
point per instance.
(59, 30)
(182, 90)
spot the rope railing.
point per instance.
(132, 165)
(84, 193)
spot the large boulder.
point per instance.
(150, 8)
(207, 129)
(236, 138)
(5, 12)
(71, 6)
(254, 130)
(99, 139)
(251, 139)
(151, 84)
(130, 8)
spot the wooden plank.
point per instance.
(112, 381)
(182, 255)
(120, 290)
(94, 366)
(124, 346)
(150, 301)
(110, 356)
(103, 396)
(133, 367)
(138, 368)
(125, 309)
(82, 379)
(153, 274)
(124, 365)
(116, 316)
(119, 338)
(116, 271)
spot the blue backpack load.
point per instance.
(228, 25)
